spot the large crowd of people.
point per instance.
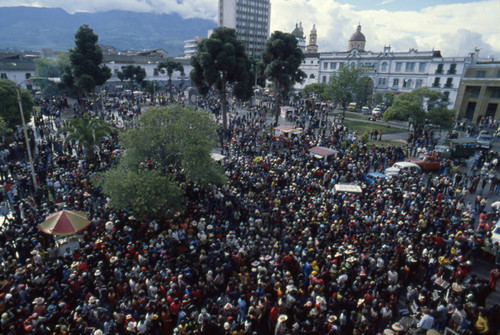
(273, 251)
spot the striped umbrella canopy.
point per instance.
(65, 223)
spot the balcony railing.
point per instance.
(448, 85)
(438, 71)
(452, 71)
(435, 85)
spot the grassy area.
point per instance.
(357, 116)
(390, 142)
(363, 127)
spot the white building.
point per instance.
(389, 71)
(251, 19)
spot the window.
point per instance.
(439, 68)
(341, 65)
(382, 81)
(449, 83)
(481, 74)
(495, 92)
(436, 82)
(446, 96)
(3, 75)
(312, 76)
(27, 75)
(474, 91)
(325, 65)
(333, 66)
(398, 67)
(324, 79)
(384, 67)
(453, 69)
(407, 83)
(395, 83)
(156, 72)
(410, 67)
(498, 74)
(421, 67)
(418, 83)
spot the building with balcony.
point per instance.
(389, 70)
(479, 92)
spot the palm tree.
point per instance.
(170, 66)
(87, 133)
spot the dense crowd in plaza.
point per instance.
(273, 251)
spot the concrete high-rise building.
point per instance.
(252, 21)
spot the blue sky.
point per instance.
(455, 27)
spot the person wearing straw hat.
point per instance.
(281, 326)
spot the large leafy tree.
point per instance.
(134, 73)
(87, 133)
(347, 85)
(53, 68)
(314, 90)
(282, 58)
(9, 106)
(221, 61)
(419, 107)
(86, 70)
(170, 66)
(168, 146)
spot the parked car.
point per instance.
(402, 167)
(374, 177)
(352, 107)
(377, 112)
(426, 162)
(484, 140)
(366, 110)
(458, 148)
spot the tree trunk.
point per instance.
(276, 104)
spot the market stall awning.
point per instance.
(217, 157)
(347, 188)
(322, 151)
(65, 223)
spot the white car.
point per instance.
(495, 233)
(376, 112)
(402, 167)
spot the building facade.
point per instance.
(390, 71)
(479, 92)
(251, 19)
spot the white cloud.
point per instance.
(449, 28)
(455, 29)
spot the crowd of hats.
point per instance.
(274, 250)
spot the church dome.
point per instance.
(358, 36)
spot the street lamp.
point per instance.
(25, 131)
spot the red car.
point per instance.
(426, 162)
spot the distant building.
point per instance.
(388, 70)
(17, 66)
(298, 32)
(479, 92)
(312, 47)
(191, 46)
(251, 19)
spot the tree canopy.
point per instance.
(53, 68)
(316, 89)
(170, 66)
(134, 73)
(86, 70)
(419, 107)
(87, 133)
(9, 106)
(169, 147)
(221, 61)
(282, 58)
(347, 85)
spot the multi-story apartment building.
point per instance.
(251, 19)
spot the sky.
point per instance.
(455, 27)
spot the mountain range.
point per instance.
(31, 28)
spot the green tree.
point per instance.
(170, 66)
(221, 61)
(316, 89)
(53, 68)
(419, 107)
(135, 74)
(282, 58)
(87, 133)
(347, 85)
(9, 106)
(389, 99)
(86, 70)
(166, 143)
